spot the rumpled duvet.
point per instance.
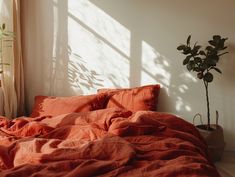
(108, 142)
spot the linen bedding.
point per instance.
(106, 142)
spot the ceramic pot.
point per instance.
(214, 140)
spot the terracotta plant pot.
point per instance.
(214, 139)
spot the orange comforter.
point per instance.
(110, 142)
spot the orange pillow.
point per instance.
(53, 106)
(133, 99)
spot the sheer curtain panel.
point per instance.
(12, 76)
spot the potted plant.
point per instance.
(204, 63)
(5, 37)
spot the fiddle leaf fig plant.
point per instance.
(5, 38)
(204, 61)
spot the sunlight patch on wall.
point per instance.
(183, 88)
(81, 77)
(102, 24)
(101, 42)
(189, 77)
(181, 105)
(155, 67)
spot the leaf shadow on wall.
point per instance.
(141, 57)
(95, 36)
(145, 64)
(67, 72)
(79, 75)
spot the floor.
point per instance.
(226, 166)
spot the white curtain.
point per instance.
(7, 78)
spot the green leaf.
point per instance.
(204, 66)
(224, 47)
(190, 65)
(224, 39)
(211, 62)
(186, 60)
(5, 64)
(188, 40)
(200, 75)
(5, 34)
(215, 57)
(187, 50)
(208, 77)
(196, 69)
(197, 60)
(217, 69)
(222, 54)
(202, 53)
(216, 37)
(3, 26)
(181, 47)
(213, 43)
(209, 48)
(195, 49)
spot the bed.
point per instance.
(112, 133)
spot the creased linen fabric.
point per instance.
(107, 142)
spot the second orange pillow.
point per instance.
(133, 99)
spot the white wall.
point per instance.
(76, 46)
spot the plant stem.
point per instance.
(1, 55)
(208, 105)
